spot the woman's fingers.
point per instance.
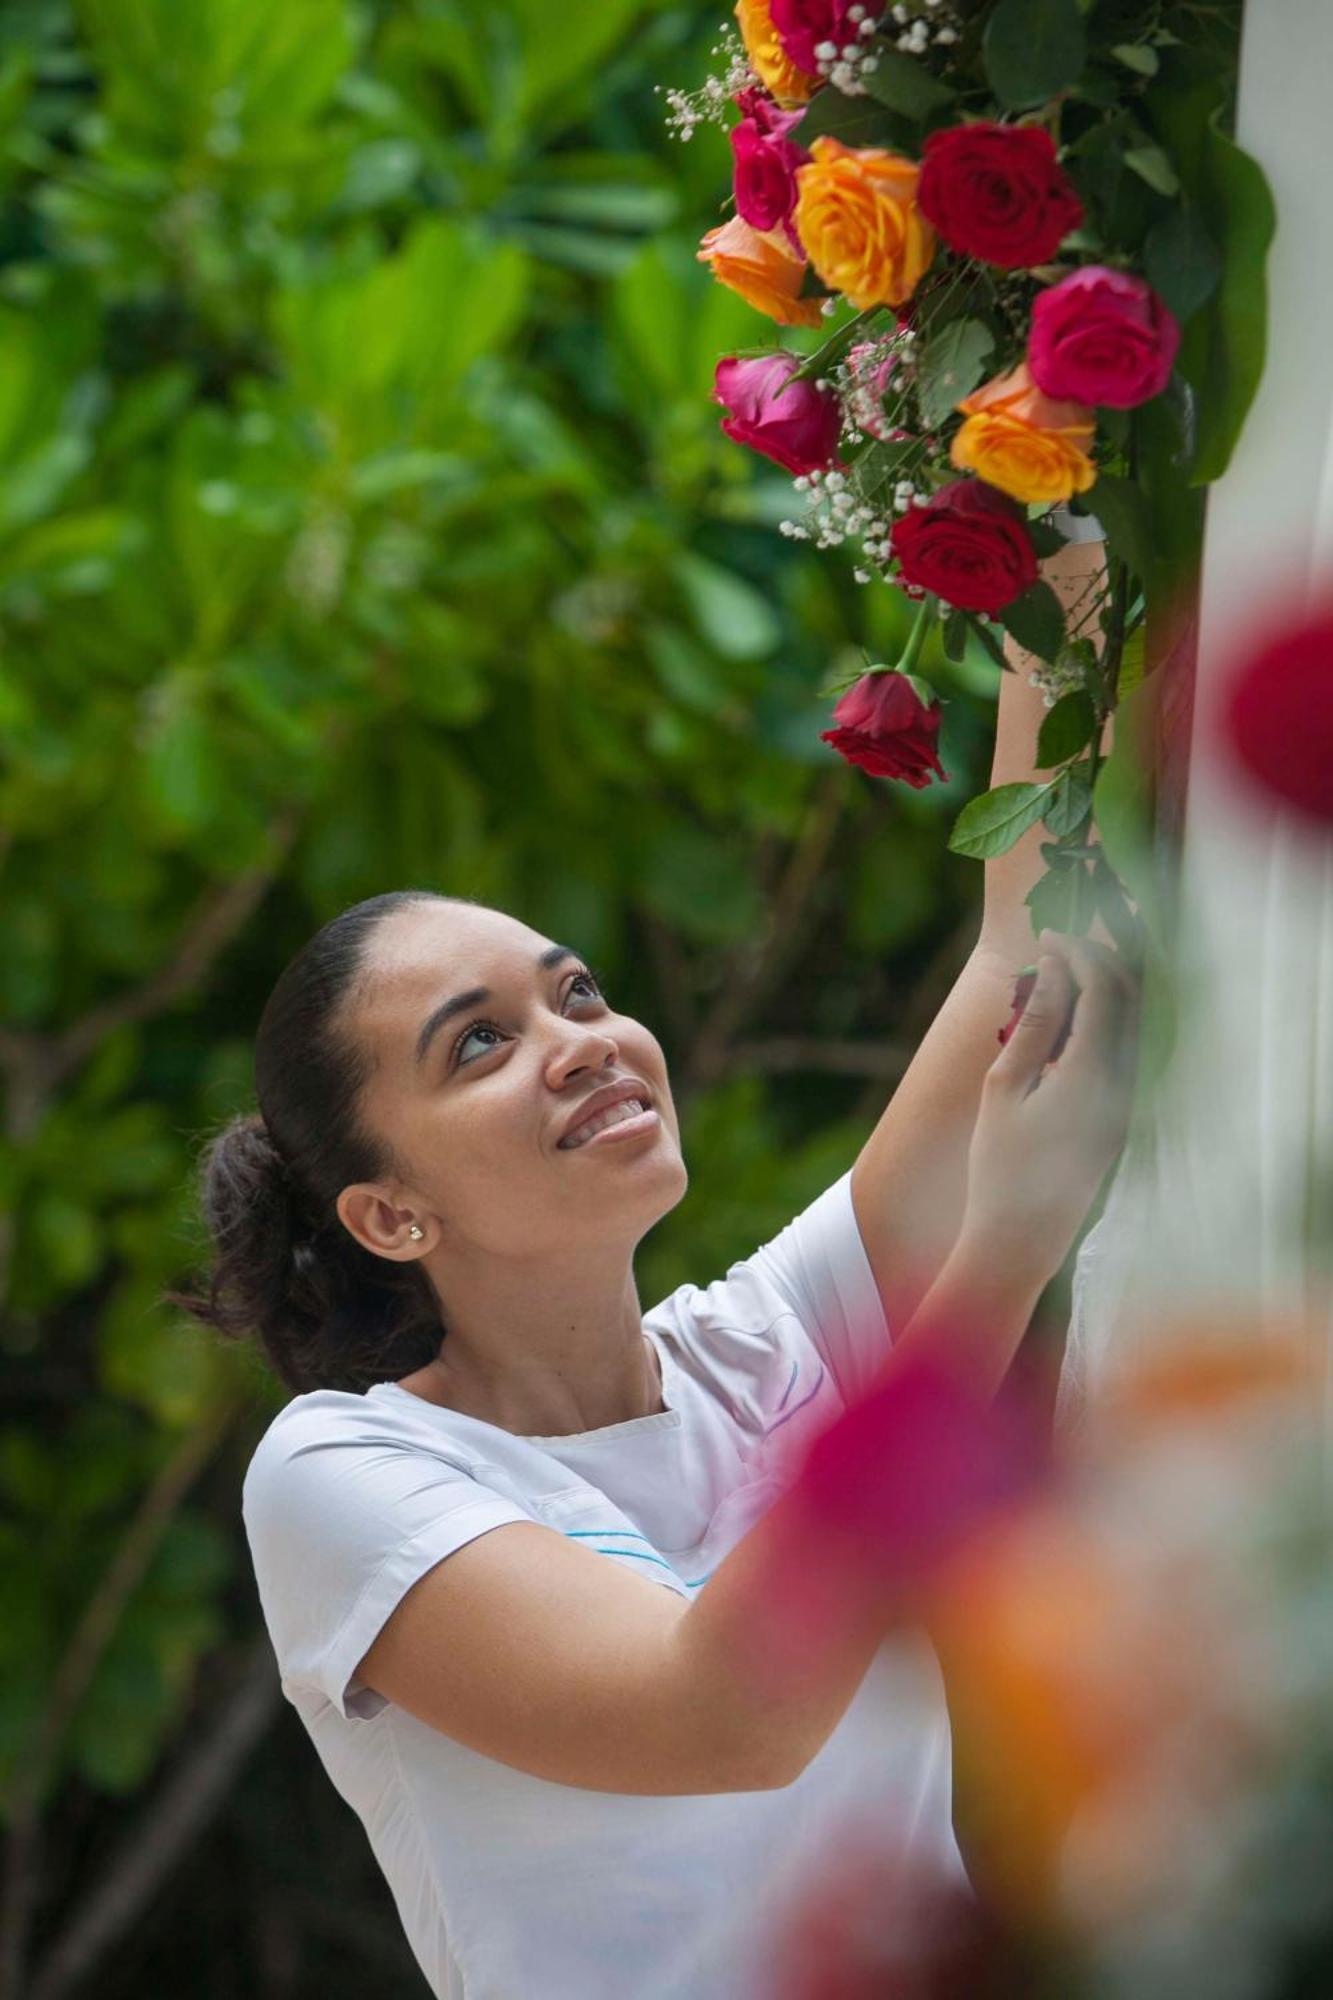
(1030, 1047)
(1102, 1040)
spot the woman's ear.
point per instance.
(385, 1227)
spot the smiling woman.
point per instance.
(483, 1526)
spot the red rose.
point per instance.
(803, 24)
(1276, 714)
(766, 160)
(997, 192)
(791, 422)
(884, 727)
(1102, 336)
(969, 544)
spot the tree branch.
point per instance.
(38, 1064)
(761, 963)
(93, 1633)
(187, 1801)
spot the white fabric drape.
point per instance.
(1225, 1201)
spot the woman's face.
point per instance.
(488, 1042)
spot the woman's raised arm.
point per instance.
(910, 1179)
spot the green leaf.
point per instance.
(954, 636)
(990, 825)
(856, 121)
(1034, 49)
(1120, 507)
(1037, 621)
(952, 363)
(1051, 900)
(1181, 261)
(905, 85)
(1046, 539)
(736, 619)
(1224, 348)
(1151, 164)
(1067, 729)
(1133, 655)
(1140, 56)
(1070, 801)
(981, 627)
(1114, 908)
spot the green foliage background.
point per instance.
(364, 521)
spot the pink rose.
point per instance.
(765, 163)
(803, 24)
(884, 727)
(791, 422)
(1102, 336)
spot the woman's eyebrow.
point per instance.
(476, 995)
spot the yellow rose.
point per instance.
(768, 58)
(857, 215)
(1029, 445)
(761, 265)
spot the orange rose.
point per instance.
(857, 215)
(761, 266)
(768, 58)
(1028, 445)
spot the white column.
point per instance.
(1227, 1201)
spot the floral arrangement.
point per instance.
(1135, 1630)
(1029, 208)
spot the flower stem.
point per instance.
(824, 357)
(916, 638)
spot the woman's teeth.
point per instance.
(629, 1107)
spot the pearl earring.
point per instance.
(416, 1232)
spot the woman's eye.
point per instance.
(586, 979)
(477, 1028)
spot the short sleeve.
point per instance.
(819, 1263)
(343, 1517)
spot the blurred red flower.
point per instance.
(1277, 713)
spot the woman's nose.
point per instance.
(584, 1047)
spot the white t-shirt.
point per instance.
(511, 1887)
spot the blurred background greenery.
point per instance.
(364, 521)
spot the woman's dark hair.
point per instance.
(330, 1315)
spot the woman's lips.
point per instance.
(624, 1128)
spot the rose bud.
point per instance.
(793, 423)
(886, 725)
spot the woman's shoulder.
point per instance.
(322, 1431)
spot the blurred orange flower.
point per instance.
(761, 266)
(768, 58)
(857, 215)
(1028, 445)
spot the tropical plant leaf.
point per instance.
(1032, 49)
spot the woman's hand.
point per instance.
(1045, 1136)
